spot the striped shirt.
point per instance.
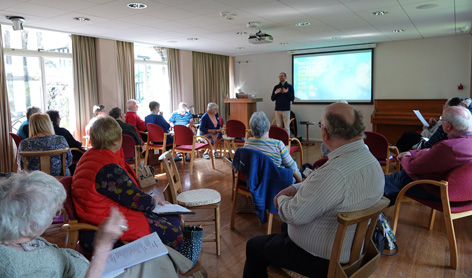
(177, 119)
(351, 180)
(276, 150)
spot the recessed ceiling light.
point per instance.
(137, 6)
(379, 13)
(240, 48)
(335, 38)
(306, 23)
(284, 43)
(398, 30)
(427, 6)
(81, 18)
(253, 24)
(192, 39)
(172, 41)
(241, 33)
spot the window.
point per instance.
(38, 66)
(152, 79)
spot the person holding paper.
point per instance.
(103, 179)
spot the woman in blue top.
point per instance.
(156, 118)
(210, 127)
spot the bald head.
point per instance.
(342, 121)
(456, 119)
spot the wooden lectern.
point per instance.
(242, 108)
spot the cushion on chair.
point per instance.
(294, 149)
(189, 147)
(199, 197)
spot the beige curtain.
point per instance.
(210, 81)
(7, 159)
(126, 70)
(85, 80)
(173, 65)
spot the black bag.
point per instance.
(384, 238)
(192, 243)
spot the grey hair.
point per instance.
(183, 105)
(456, 120)
(337, 126)
(212, 106)
(28, 203)
(259, 124)
(130, 102)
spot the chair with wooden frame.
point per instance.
(382, 151)
(192, 199)
(455, 202)
(235, 130)
(17, 139)
(291, 124)
(132, 156)
(281, 134)
(45, 160)
(157, 140)
(243, 157)
(186, 142)
(364, 258)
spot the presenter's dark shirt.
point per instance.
(282, 101)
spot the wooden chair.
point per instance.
(130, 151)
(72, 226)
(17, 139)
(186, 142)
(235, 130)
(45, 160)
(365, 258)
(192, 199)
(320, 162)
(382, 151)
(281, 134)
(244, 157)
(157, 140)
(455, 202)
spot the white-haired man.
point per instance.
(132, 115)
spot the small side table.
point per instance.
(308, 124)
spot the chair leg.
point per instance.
(217, 230)
(451, 237)
(146, 156)
(233, 209)
(269, 223)
(433, 217)
(397, 213)
(192, 155)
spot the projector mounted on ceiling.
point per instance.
(260, 38)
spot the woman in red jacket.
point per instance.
(103, 180)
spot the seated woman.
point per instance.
(56, 121)
(103, 180)
(99, 111)
(275, 149)
(210, 127)
(42, 138)
(156, 118)
(23, 253)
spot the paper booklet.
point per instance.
(169, 209)
(421, 118)
(138, 251)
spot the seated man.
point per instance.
(132, 115)
(436, 162)
(182, 116)
(156, 118)
(351, 180)
(23, 130)
(127, 129)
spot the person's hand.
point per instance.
(289, 191)
(111, 229)
(400, 155)
(158, 202)
(432, 121)
(285, 90)
(277, 91)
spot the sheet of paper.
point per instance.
(171, 209)
(138, 251)
(421, 118)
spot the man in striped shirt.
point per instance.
(351, 180)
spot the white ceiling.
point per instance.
(170, 22)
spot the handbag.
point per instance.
(192, 243)
(145, 175)
(384, 238)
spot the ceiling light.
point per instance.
(306, 23)
(253, 24)
(241, 33)
(427, 6)
(137, 6)
(241, 48)
(398, 30)
(192, 39)
(335, 38)
(284, 43)
(17, 22)
(81, 19)
(172, 41)
(379, 13)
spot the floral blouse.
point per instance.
(45, 143)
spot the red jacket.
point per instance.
(93, 207)
(134, 119)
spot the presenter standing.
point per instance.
(283, 94)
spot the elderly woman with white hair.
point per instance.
(275, 149)
(210, 127)
(28, 204)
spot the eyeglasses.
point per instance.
(320, 125)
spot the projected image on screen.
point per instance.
(328, 77)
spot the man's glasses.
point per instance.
(320, 125)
